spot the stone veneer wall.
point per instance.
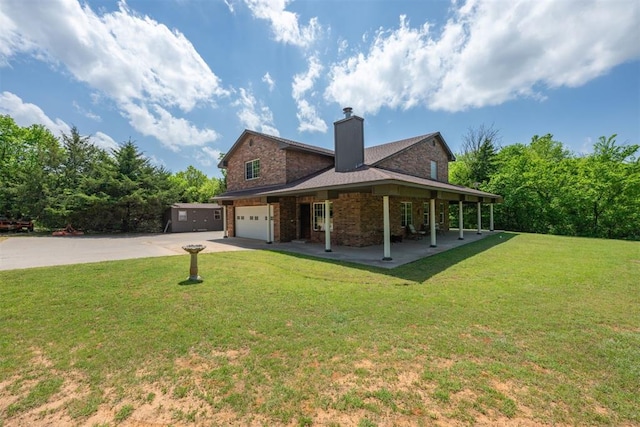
(416, 160)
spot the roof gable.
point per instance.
(282, 142)
(378, 153)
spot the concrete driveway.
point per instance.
(20, 251)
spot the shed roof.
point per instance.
(196, 206)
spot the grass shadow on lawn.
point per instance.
(421, 270)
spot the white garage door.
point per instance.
(252, 222)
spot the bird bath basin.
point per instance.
(193, 269)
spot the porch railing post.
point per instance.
(460, 221)
(387, 229)
(327, 226)
(432, 220)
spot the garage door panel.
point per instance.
(252, 222)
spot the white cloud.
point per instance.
(284, 23)
(154, 160)
(488, 53)
(120, 54)
(26, 114)
(207, 156)
(303, 83)
(104, 141)
(230, 6)
(87, 113)
(343, 45)
(172, 131)
(269, 81)
(308, 118)
(254, 115)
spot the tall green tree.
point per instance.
(141, 190)
(531, 180)
(477, 162)
(30, 158)
(195, 187)
(69, 199)
(604, 197)
(475, 165)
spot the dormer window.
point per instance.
(252, 169)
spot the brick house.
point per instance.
(280, 190)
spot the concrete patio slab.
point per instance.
(401, 253)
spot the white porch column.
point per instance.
(491, 217)
(479, 218)
(460, 221)
(269, 241)
(224, 222)
(387, 229)
(327, 226)
(432, 221)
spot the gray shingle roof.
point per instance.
(362, 177)
(373, 155)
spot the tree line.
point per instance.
(548, 189)
(70, 180)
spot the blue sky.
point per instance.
(184, 78)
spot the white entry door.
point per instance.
(253, 222)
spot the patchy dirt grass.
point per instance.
(365, 393)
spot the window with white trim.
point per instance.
(182, 215)
(425, 213)
(318, 217)
(252, 169)
(441, 213)
(434, 169)
(406, 213)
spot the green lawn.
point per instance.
(521, 329)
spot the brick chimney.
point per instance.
(349, 141)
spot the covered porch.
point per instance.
(366, 209)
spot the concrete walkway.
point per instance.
(20, 251)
